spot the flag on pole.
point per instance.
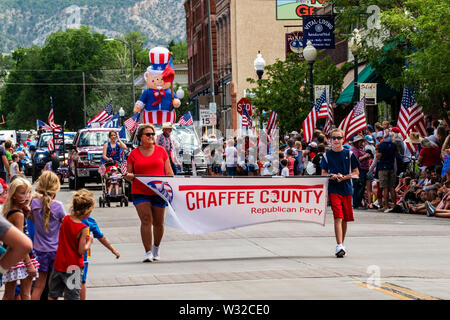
(123, 167)
(50, 145)
(113, 122)
(102, 169)
(322, 102)
(355, 121)
(43, 125)
(330, 120)
(411, 117)
(272, 123)
(51, 118)
(186, 119)
(103, 116)
(132, 123)
(247, 121)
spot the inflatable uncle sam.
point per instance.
(158, 101)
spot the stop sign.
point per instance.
(244, 103)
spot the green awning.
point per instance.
(367, 75)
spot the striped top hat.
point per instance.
(159, 58)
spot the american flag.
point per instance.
(43, 125)
(247, 121)
(411, 117)
(186, 119)
(123, 167)
(104, 115)
(272, 123)
(50, 145)
(322, 102)
(102, 169)
(51, 118)
(355, 121)
(132, 123)
(309, 124)
(330, 120)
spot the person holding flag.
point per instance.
(341, 166)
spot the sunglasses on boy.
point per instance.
(337, 138)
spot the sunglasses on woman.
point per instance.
(149, 134)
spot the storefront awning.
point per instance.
(366, 75)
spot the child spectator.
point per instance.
(73, 242)
(97, 234)
(114, 178)
(16, 209)
(14, 166)
(284, 168)
(47, 215)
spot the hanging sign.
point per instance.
(369, 90)
(294, 43)
(297, 9)
(319, 30)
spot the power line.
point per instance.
(68, 84)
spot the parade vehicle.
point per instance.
(41, 155)
(188, 148)
(6, 135)
(85, 156)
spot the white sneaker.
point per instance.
(340, 251)
(148, 257)
(155, 251)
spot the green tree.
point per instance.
(414, 47)
(179, 51)
(285, 89)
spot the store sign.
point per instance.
(320, 31)
(294, 43)
(368, 90)
(319, 89)
(297, 9)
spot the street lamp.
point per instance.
(130, 45)
(310, 54)
(121, 114)
(259, 65)
(354, 44)
(180, 93)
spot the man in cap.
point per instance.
(164, 140)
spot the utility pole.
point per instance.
(211, 64)
(84, 98)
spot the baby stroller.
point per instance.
(113, 186)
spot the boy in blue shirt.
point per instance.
(93, 227)
(341, 165)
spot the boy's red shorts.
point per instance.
(341, 206)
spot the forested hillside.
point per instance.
(25, 23)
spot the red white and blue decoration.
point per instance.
(186, 119)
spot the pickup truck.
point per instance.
(41, 155)
(86, 156)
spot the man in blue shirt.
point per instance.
(341, 165)
(386, 156)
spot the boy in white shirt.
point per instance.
(284, 168)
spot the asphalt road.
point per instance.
(390, 256)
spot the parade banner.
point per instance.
(200, 205)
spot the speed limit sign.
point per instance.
(244, 103)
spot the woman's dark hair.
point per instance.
(141, 130)
(110, 133)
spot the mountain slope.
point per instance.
(27, 23)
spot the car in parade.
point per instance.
(85, 156)
(188, 148)
(41, 155)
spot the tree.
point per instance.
(414, 43)
(285, 89)
(179, 51)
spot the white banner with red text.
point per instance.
(208, 204)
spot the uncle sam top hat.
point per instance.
(161, 63)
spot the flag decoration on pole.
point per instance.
(122, 133)
(272, 123)
(102, 169)
(309, 124)
(411, 117)
(44, 126)
(51, 118)
(330, 120)
(355, 121)
(103, 116)
(132, 123)
(247, 121)
(50, 145)
(186, 119)
(113, 122)
(322, 101)
(123, 167)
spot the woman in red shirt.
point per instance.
(148, 159)
(430, 154)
